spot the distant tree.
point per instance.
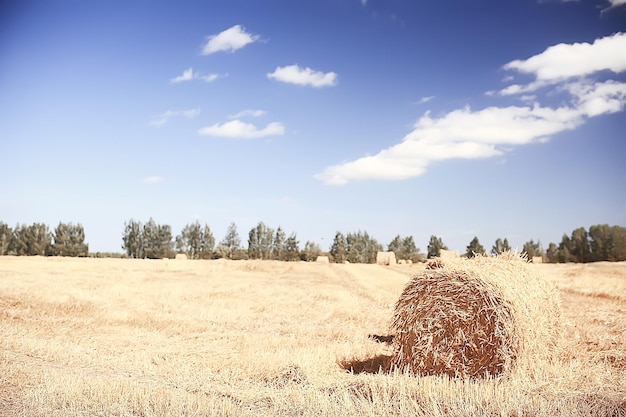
(132, 241)
(278, 244)
(157, 240)
(196, 241)
(292, 249)
(31, 240)
(500, 246)
(361, 248)
(435, 246)
(231, 244)
(260, 240)
(580, 249)
(600, 242)
(552, 254)
(69, 240)
(532, 249)
(618, 244)
(474, 248)
(338, 248)
(6, 238)
(565, 248)
(405, 248)
(310, 252)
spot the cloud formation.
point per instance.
(163, 118)
(229, 40)
(293, 74)
(473, 134)
(236, 129)
(190, 74)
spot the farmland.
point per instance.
(119, 337)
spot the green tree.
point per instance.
(231, 244)
(31, 240)
(69, 240)
(618, 244)
(292, 249)
(310, 252)
(500, 246)
(196, 241)
(338, 248)
(132, 241)
(260, 240)
(565, 248)
(474, 248)
(532, 249)
(600, 242)
(552, 253)
(435, 245)
(405, 248)
(361, 248)
(278, 245)
(580, 249)
(6, 238)
(156, 240)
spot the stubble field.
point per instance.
(115, 337)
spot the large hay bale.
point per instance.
(181, 256)
(386, 258)
(474, 318)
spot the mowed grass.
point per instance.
(115, 337)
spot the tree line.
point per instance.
(67, 239)
(155, 241)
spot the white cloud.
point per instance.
(560, 62)
(189, 75)
(614, 3)
(485, 133)
(186, 76)
(248, 113)
(293, 74)
(153, 179)
(424, 100)
(236, 129)
(230, 40)
(163, 118)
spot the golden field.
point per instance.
(118, 337)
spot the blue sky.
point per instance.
(451, 118)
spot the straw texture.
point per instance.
(474, 318)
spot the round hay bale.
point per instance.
(181, 256)
(475, 318)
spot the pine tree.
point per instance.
(231, 242)
(278, 245)
(292, 250)
(435, 245)
(338, 248)
(474, 248)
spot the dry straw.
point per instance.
(475, 318)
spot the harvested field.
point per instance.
(104, 337)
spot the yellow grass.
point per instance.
(114, 337)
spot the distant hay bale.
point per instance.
(537, 259)
(386, 258)
(322, 260)
(409, 262)
(475, 318)
(401, 261)
(446, 254)
(181, 256)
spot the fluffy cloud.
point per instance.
(473, 134)
(236, 129)
(293, 74)
(163, 118)
(189, 75)
(230, 40)
(560, 62)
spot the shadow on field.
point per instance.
(374, 365)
